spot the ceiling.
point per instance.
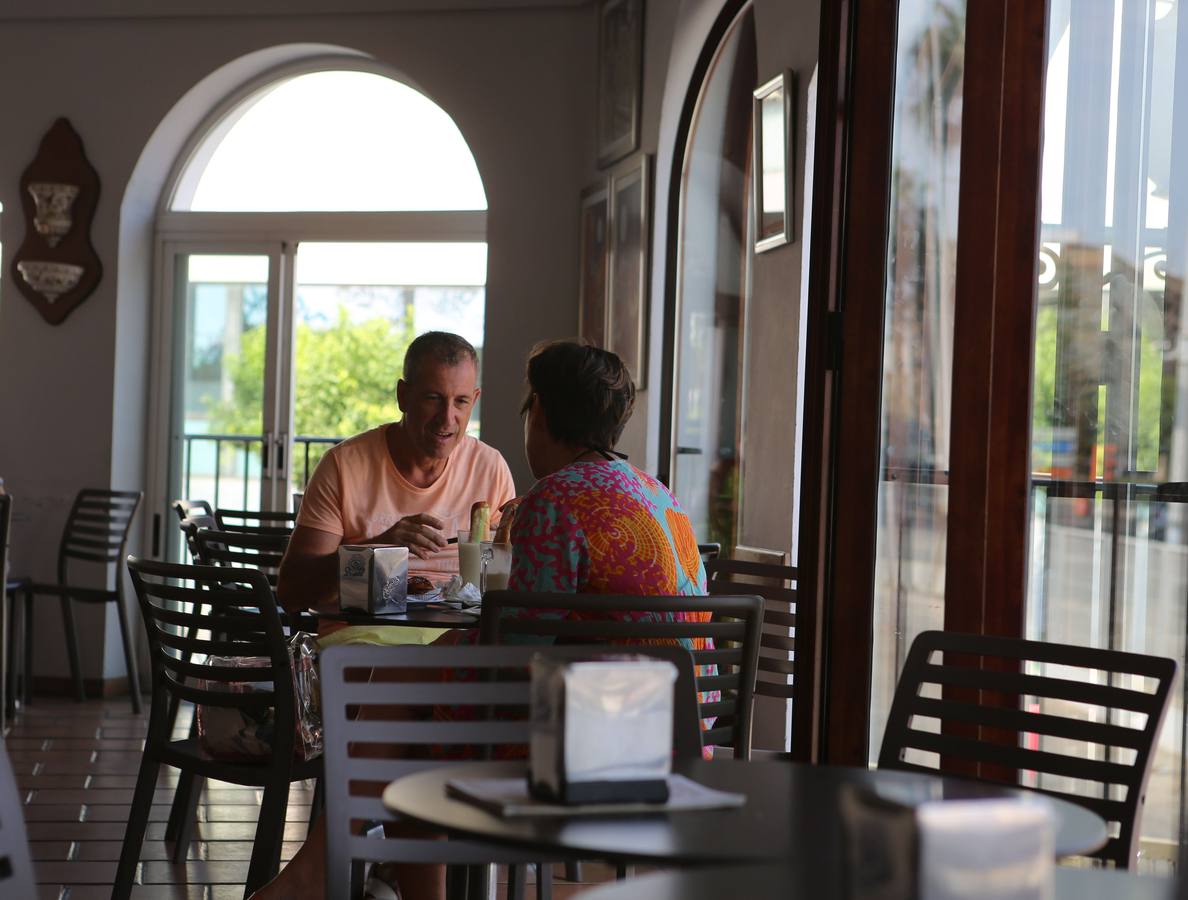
(18, 10)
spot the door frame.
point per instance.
(278, 236)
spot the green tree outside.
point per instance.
(346, 376)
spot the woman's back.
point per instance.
(604, 527)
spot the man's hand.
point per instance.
(422, 534)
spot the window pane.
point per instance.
(918, 339)
(359, 305)
(714, 256)
(333, 141)
(224, 299)
(1109, 526)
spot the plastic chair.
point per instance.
(17, 878)
(734, 623)
(980, 714)
(256, 521)
(187, 508)
(96, 531)
(242, 624)
(775, 584)
(497, 679)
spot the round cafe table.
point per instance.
(812, 881)
(792, 812)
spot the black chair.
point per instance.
(242, 623)
(96, 531)
(776, 585)
(256, 521)
(12, 586)
(986, 693)
(498, 680)
(187, 508)
(734, 623)
(709, 551)
(17, 878)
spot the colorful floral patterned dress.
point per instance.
(604, 527)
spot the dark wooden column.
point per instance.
(998, 228)
(844, 355)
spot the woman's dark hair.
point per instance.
(586, 393)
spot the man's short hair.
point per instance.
(440, 346)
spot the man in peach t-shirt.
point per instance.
(409, 483)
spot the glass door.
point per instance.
(715, 256)
(1109, 432)
(227, 363)
(917, 374)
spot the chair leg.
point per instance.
(573, 870)
(72, 650)
(11, 646)
(183, 813)
(269, 832)
(517, 875)
(319, 801)
(142, 804)
(27, 624)
(620, 871)
(544, 881)
(129, 657)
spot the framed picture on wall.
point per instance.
(772, 165)
(620, 78)
(594, 264)
(630, 227)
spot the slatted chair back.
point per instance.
(214, 611)
(190, 526)
(776, 584)
(262, 552)
(16, 864)
(255, 521)
(443, 722)
(733, 623)
(240, 548)
(97, 528)
(185, 509)
(1079, 723)
(709, 551)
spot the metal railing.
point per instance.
(244, 468)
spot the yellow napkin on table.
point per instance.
(390, 635)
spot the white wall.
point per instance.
(73, 403)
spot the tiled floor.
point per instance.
(77, 765)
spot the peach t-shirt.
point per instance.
(357, 493)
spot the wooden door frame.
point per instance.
(994, 323)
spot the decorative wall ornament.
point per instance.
(56, 267)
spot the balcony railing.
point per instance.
(226, 468)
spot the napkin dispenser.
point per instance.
(601, 729)
(986, 850)
(372, 579)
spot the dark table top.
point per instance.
(800, 883)
(418, 617)
(791, 813)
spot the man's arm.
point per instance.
(308, 577)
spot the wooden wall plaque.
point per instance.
(56, 266)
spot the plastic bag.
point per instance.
(245, 734)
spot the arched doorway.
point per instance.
(316, 223)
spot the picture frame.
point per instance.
(594, 264)
(773, 161)
(620, 78)
(630, 198)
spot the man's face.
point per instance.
(437, 405)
